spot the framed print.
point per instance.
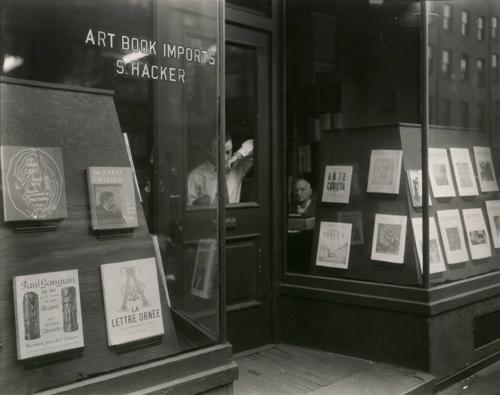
(385, 171)
(493, 212)
(436, 262)
(440, 173)
(485, 169)
(464, 174)
(452, 233)
(337, 184)
(334, 244)
(477, 234)
(389, 238)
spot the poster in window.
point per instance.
(337, 184)
(33, 183)
(493, 211)
(389, 238)
(415, 186)
(440, 173)
(485, 169)
(452, 233)
(205, 269)
(334, 244)
(384, 174)
(436, 262)
(464, 173)
(477, 234)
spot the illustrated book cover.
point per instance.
(384, 174)
(48, 313)
(436, 262)
(477, 234)
(389, 238)
(355, 218)
(132, 301)
(334, 243)
(493, 211)
(452, 233)
(440, 173)
(464, 173)
(415, 185)
(337, 184)
(112, 198)
(485, 169)
(33, 184)
(205, 269)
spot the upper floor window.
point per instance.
(446, 63)
(494, 66)
(494, 27)
(430, 57)
(464, 26)
(464, 68)
(447, 17)
(480, 28)
(480, 71)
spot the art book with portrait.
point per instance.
(131, 300)
(493, 211)
(334, 243)
(337, 184)
(204, 269)
(464, 174)
(477, 234)
(485, 169)
(415, 186)
(440, 173)
(33, 183)
(48, 313)
(436, 262)
(384, 174)
(452, 233)
(112, 198)
(389, 238)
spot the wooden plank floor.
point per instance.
(484, 382)
(286, 369)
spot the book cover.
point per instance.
(415, 185)
(464, 174)
(334, 243)
(436, 262)
(485, 169)
(453, 237)
(33, 183)
(355, 218)
(48, 313)
(337, 184)
(389, 238)
(131, 300)
(493, 211)
(440, 173)
(384, 174)
(477, 234)
(205, 269)
(112, 198)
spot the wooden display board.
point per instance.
(85, 125)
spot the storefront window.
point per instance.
(91, 79)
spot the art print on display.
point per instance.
(389, 238)
(337, 184)
(485, 169)
(464, 173)
(415, 186)
(48, 313)
(205, 268)
(493, 211)
(453, 237)
(131, 300)
(334, 244)
(477, 234)
(355, 218)
(436, 262)
(440, 173)
(33, 183)
(385, 171)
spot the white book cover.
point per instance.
(334, 244)
(485, 169)
(477, 234)
(384, 174)
(464, 173)
(493, 211)
(389, 238)
(415, 185)
(48, 313)
(355, 218)
(436, 262)
(452, 233)
(440, 173)
(131, 300)
(337, 184)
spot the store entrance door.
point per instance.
(248, 222)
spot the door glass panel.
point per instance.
(241, 123)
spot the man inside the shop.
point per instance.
(302, 200)
(202, 180)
